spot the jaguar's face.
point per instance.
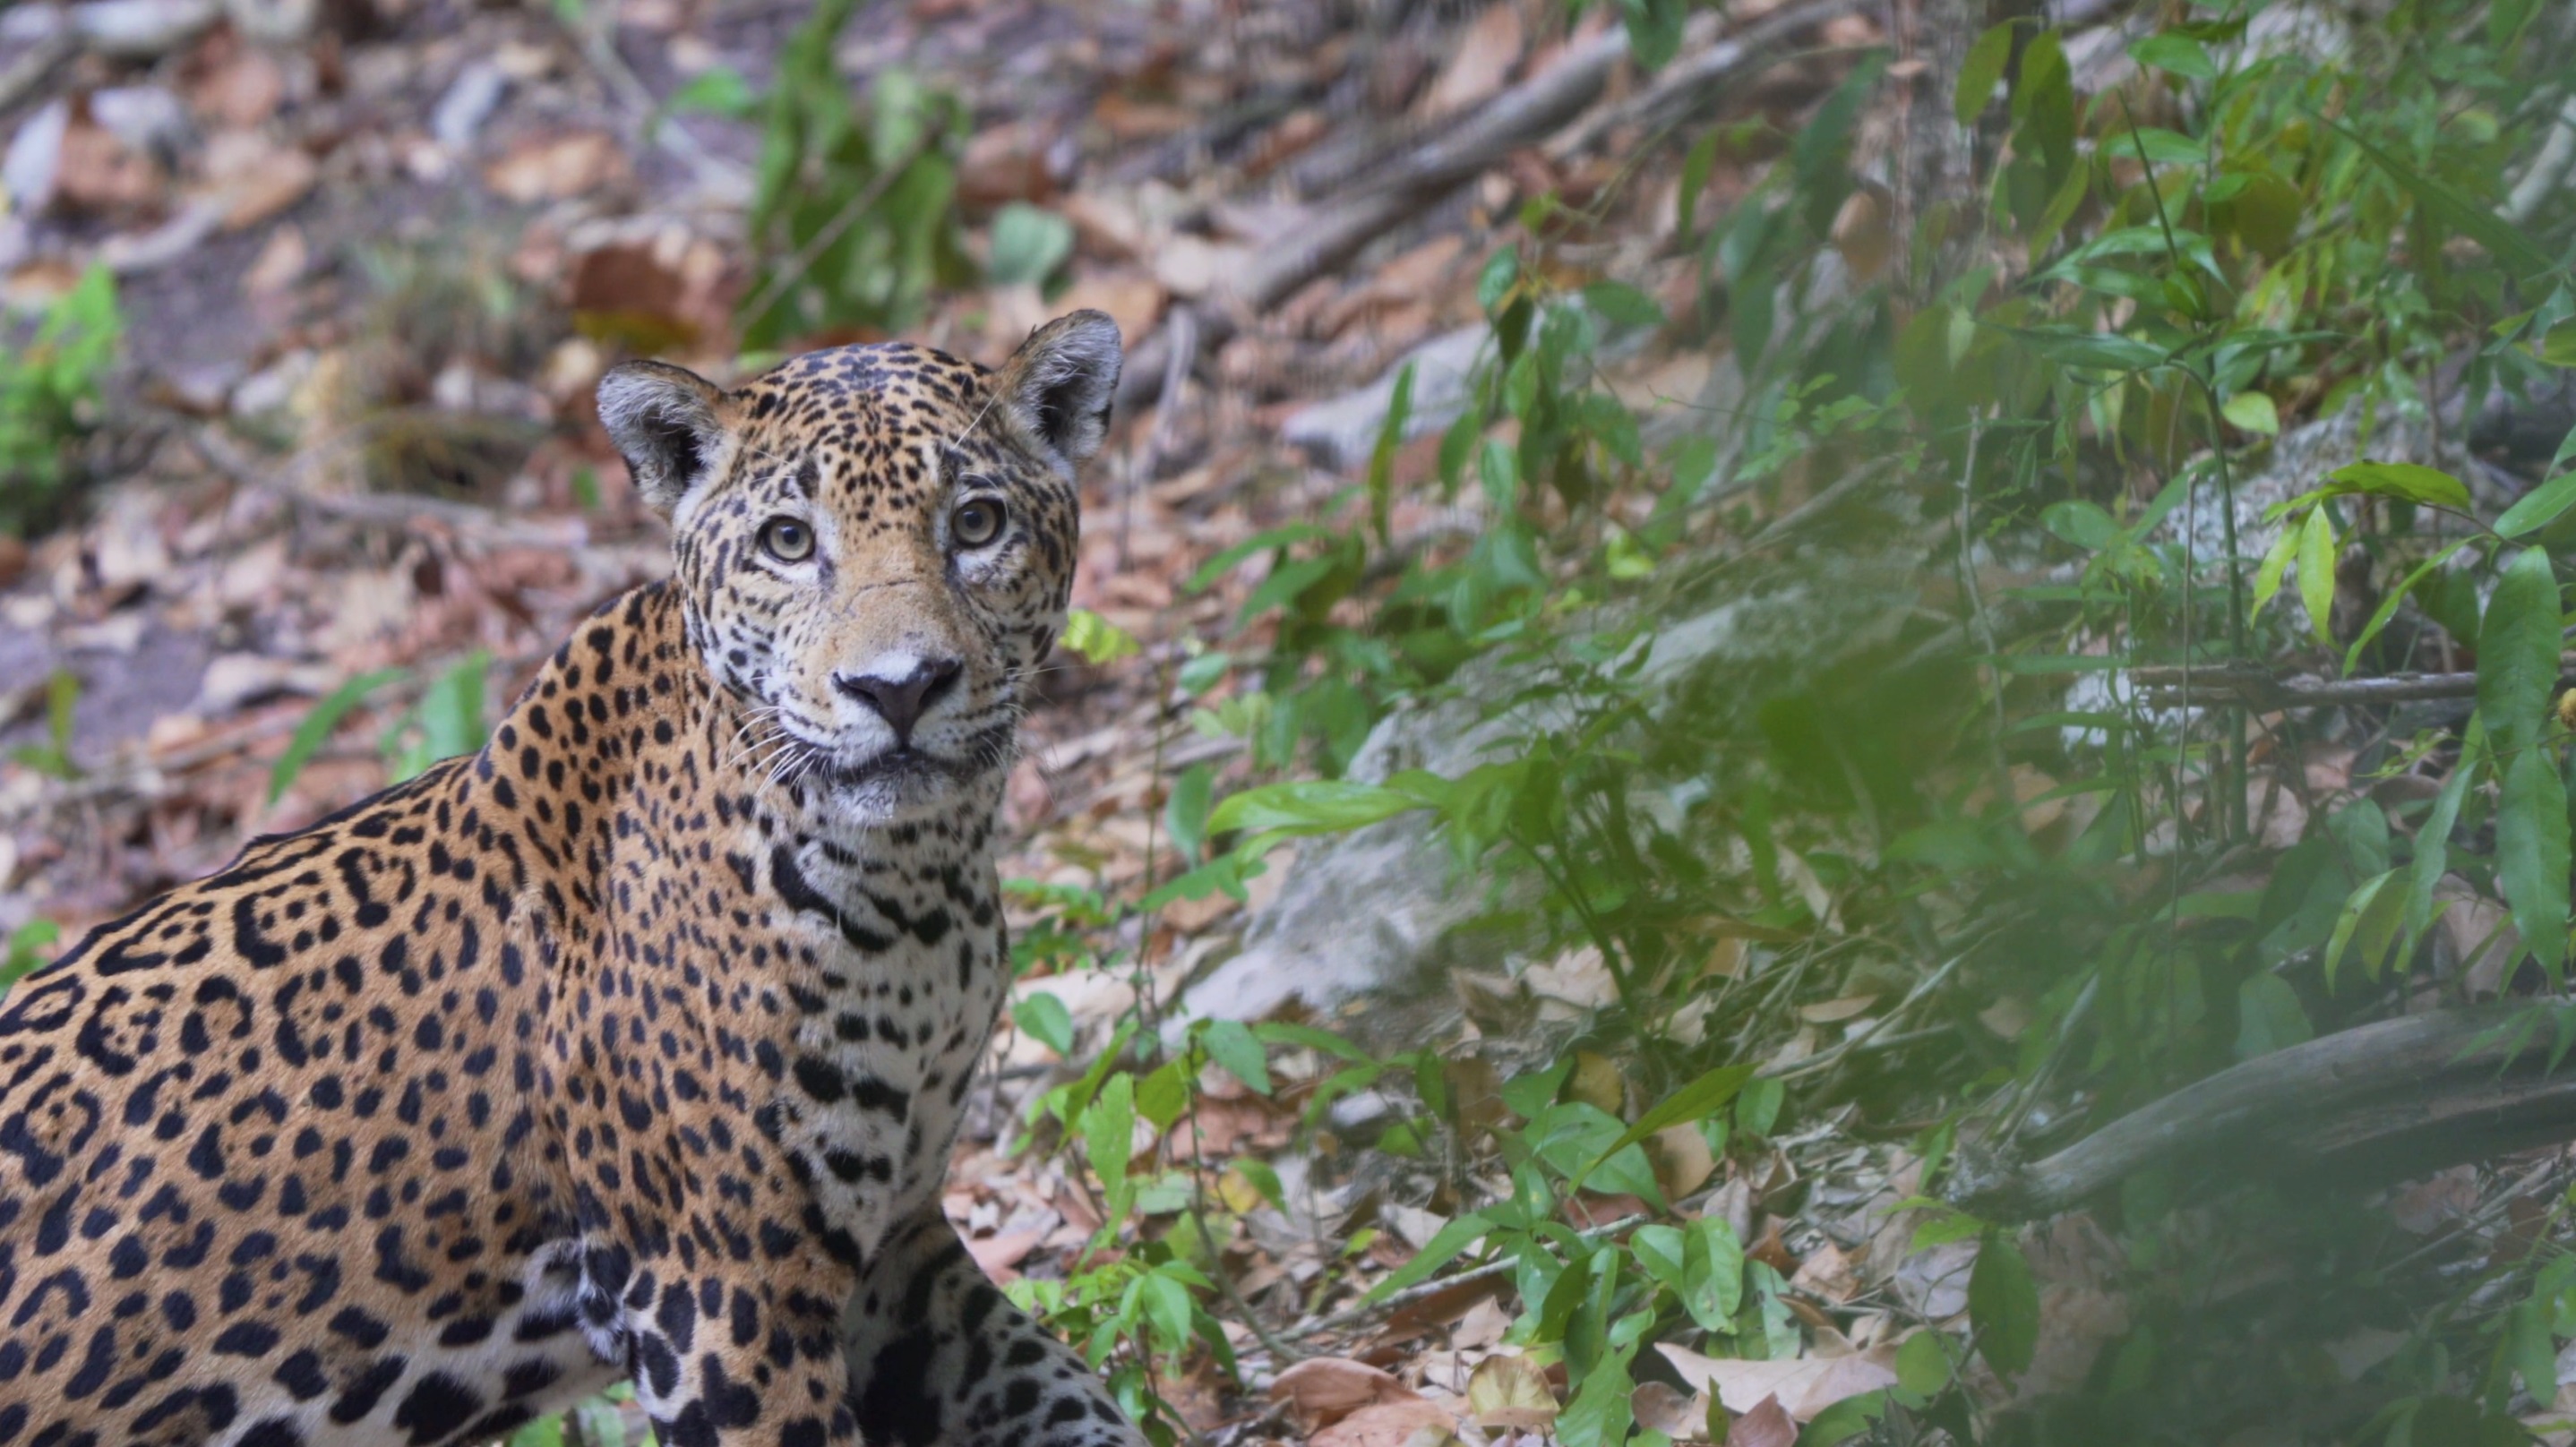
(875, 544)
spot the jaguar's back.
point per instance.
(631, 1046)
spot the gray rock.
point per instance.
(1341, 432)
(468, 103)
(1377, 910)
(142, 29)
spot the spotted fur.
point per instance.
(632, 1046)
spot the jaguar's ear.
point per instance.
(669, 423)
(1056, 389)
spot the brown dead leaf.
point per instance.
(1510, 1392)
(2422, 1207)
(96, 173)
(1487, 50)
(651, 289)
(1827, 1273)
(1578, 977)
(1324, 1390)
(1295, 132)
(1767, 1425)
(254, 178)
(279, 265)
(1681, 1158)
(1389, 1424)
(998, 1254)
(1661, 1409)
(1597, 1083)
(1004, 163)
(1861, 233)
(2008, 1016)
(1803, 1385)
(551, 167)
(1126, 119)
(243, 87)
(1134, 302)
(1827, 1012)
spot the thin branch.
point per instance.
(2256, 688)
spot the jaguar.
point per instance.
(630, 1047)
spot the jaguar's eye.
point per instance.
(787, 540)
(977, 521)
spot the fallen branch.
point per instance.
(2379, 1103)
(1329, 232)
(2256, 688)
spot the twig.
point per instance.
(1330, 231)
(33, 68)
(2256, 688)
(592, 38)
(1833, 496)
(1835, 1056)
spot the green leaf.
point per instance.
(22, 959)
(1623, 305)
(718, 90)
(2101, 351)
(1923, 1364)
(1043, 1018)
(2371, 920)
(1109, 1138)
(2082, 523)
(1233, 1046)
(451, 712)
(1163, 1095)
(2433, 839)
(1443, 1248)
(1095, 640)
(1757, 1109)
(1310, 806)
(546, 1431)
(1654, 30)
(1381, 470)
(316, 727)
(2388, 605)
(2405, 480)
(2003, 1304)
(2179, 54)
(1600, 1412)
(1029, 243)
(1495, 282)
(2557, 346)
(2455, 209)
(2254, 412)
(2268, 1016)
(2539, 507)
(2518, 652)
(2276, 564)
(1700, 1099)
(1167, 1310)
(1980, 71)
(2317, 573)
(1186, 812)
(2531, 852)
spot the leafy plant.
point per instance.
(854, 205)
(49, 396)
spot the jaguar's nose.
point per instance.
(901, 688)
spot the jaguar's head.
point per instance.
(874, 545)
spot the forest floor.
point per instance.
(371, 257)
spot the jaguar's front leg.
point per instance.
(741, 1353)
(940, 1358)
